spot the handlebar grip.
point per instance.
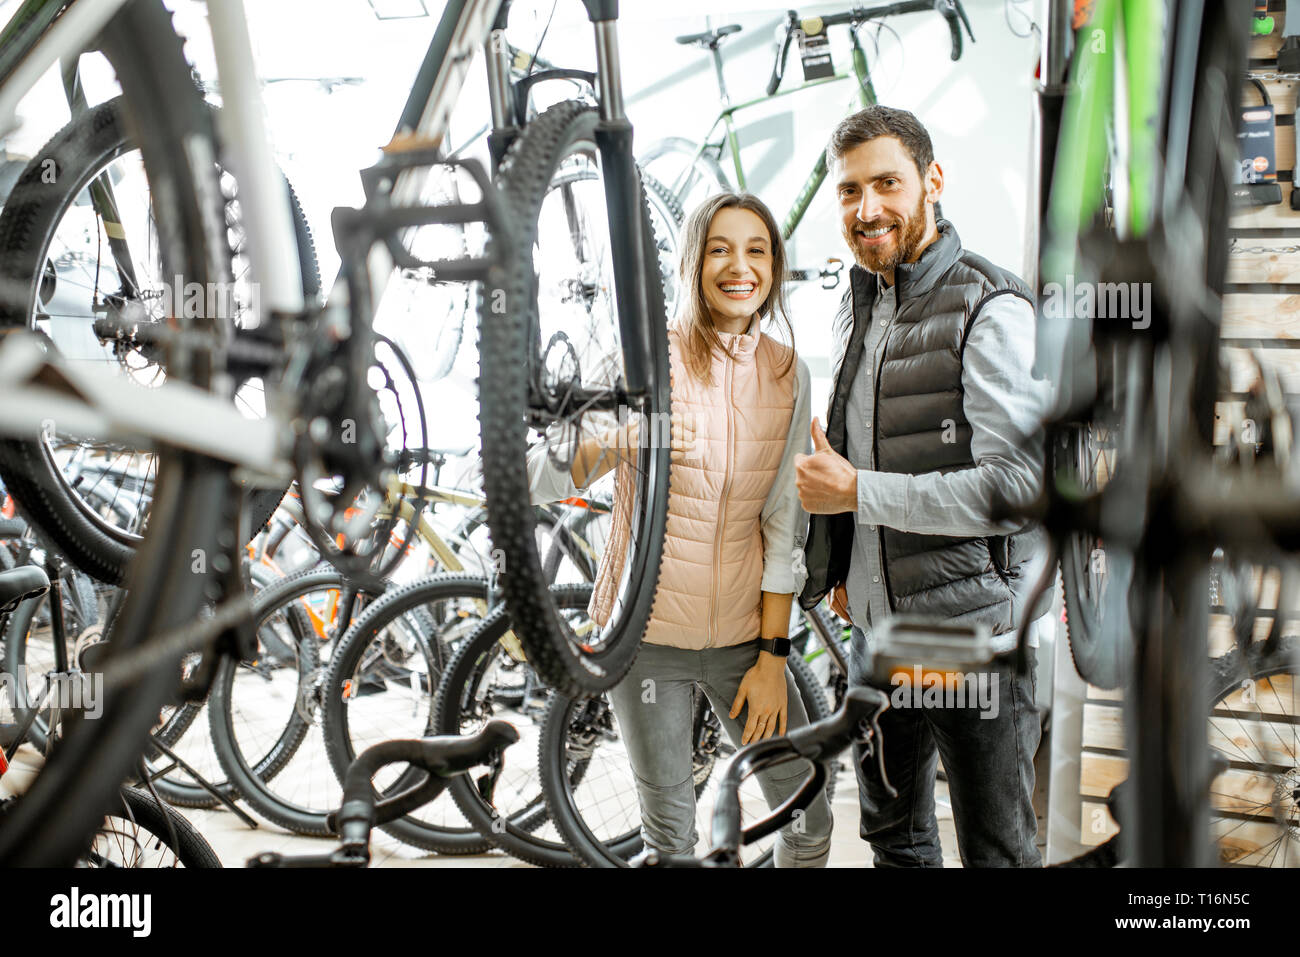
(778, 68)
(443, 757)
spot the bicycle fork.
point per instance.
(623, 204)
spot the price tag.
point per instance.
(815, 53)
(1255, 142)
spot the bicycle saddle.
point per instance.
(709, 39)
(12, 528)
(18, 584)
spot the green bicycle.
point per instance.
(692, 171)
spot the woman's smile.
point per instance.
(739, 291)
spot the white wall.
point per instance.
(977, 109)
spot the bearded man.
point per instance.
(934, 415)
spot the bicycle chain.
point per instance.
(1272, 75)
(1236, 247)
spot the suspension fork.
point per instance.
(102, 197)
(623, 202)
(496, 54)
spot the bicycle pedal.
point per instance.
(380, 219)
(904, 646)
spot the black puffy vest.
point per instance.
(920, 426)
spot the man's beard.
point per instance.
(910, 234)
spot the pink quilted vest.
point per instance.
(709, 590)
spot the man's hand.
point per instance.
(763, 689)
(840, 601)
(827, 481)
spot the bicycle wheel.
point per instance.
(666, 218)
(1255, 726)
(812, 631)
(599, 814)
(261, 712)
(72, 277)
(688, 175)
(381, 685)
(138, 833)
(54, 821)
(488, 678)
(549, 338)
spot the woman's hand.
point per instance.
(601, 453)
(763, 689)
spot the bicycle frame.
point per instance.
(1105, 73)
(864, 95)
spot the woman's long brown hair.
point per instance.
(699, 337)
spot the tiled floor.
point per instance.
(234, 842)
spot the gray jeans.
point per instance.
(655, 714)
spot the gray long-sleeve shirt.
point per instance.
(1004, 405)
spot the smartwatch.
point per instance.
(775, 646)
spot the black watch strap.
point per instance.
(775, 646)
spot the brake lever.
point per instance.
(953, 12)
(869, 738)
(486, 784)
(961, 12)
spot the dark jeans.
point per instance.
(990, 766)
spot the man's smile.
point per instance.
(875, 235)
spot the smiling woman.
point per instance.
(721, 614)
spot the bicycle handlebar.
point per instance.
(816, 742)
(443, 757)
(778, 68)
(950, 10)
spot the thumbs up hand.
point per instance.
(820, 442)
(827, 481)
